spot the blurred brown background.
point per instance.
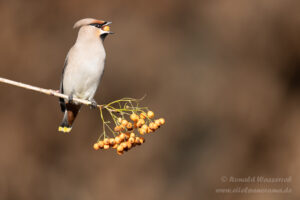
(225, 74)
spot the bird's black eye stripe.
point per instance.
(96, 25)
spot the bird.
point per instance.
(83, 68)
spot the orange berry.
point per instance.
(144, 127)
(127, 136)
(149, 130)
(129, 126)
(106, 141)
(137, 140)
(105, 28)
(118, 128)
(101, 144)
(131, 140)
(143, 115)
(134, 117)
(120, 148)
(132, 135)
(112, 141)
(124, 122)
(118, 140)
(120, 120)
(151, 125)
(122, 136)
(142, 140)
(140, 122)
(142, 131)
(106, 146)
(120, 152)
(115, 146)
(150, 114)
(124, 144)
(157, 122)
(162, 121)
(129, 145)
(96, 146)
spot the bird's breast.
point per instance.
(84, 71)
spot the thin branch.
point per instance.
(45, 91)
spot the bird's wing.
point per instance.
(61, 88)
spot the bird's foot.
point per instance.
(70, 98)
(93, 104)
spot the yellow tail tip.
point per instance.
(64, 129)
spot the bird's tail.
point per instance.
(69, 117)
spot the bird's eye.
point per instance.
(96, 25)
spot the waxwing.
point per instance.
(83, 68)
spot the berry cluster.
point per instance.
(122, 142)
(124, 137)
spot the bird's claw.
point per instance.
(94, 104)
(70, 99)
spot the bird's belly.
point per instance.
(82, 82)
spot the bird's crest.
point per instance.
(87, 21)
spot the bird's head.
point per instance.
(95, 27)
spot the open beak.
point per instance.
(107, 28)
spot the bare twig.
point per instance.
(45, 91)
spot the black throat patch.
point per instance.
(103, 36)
